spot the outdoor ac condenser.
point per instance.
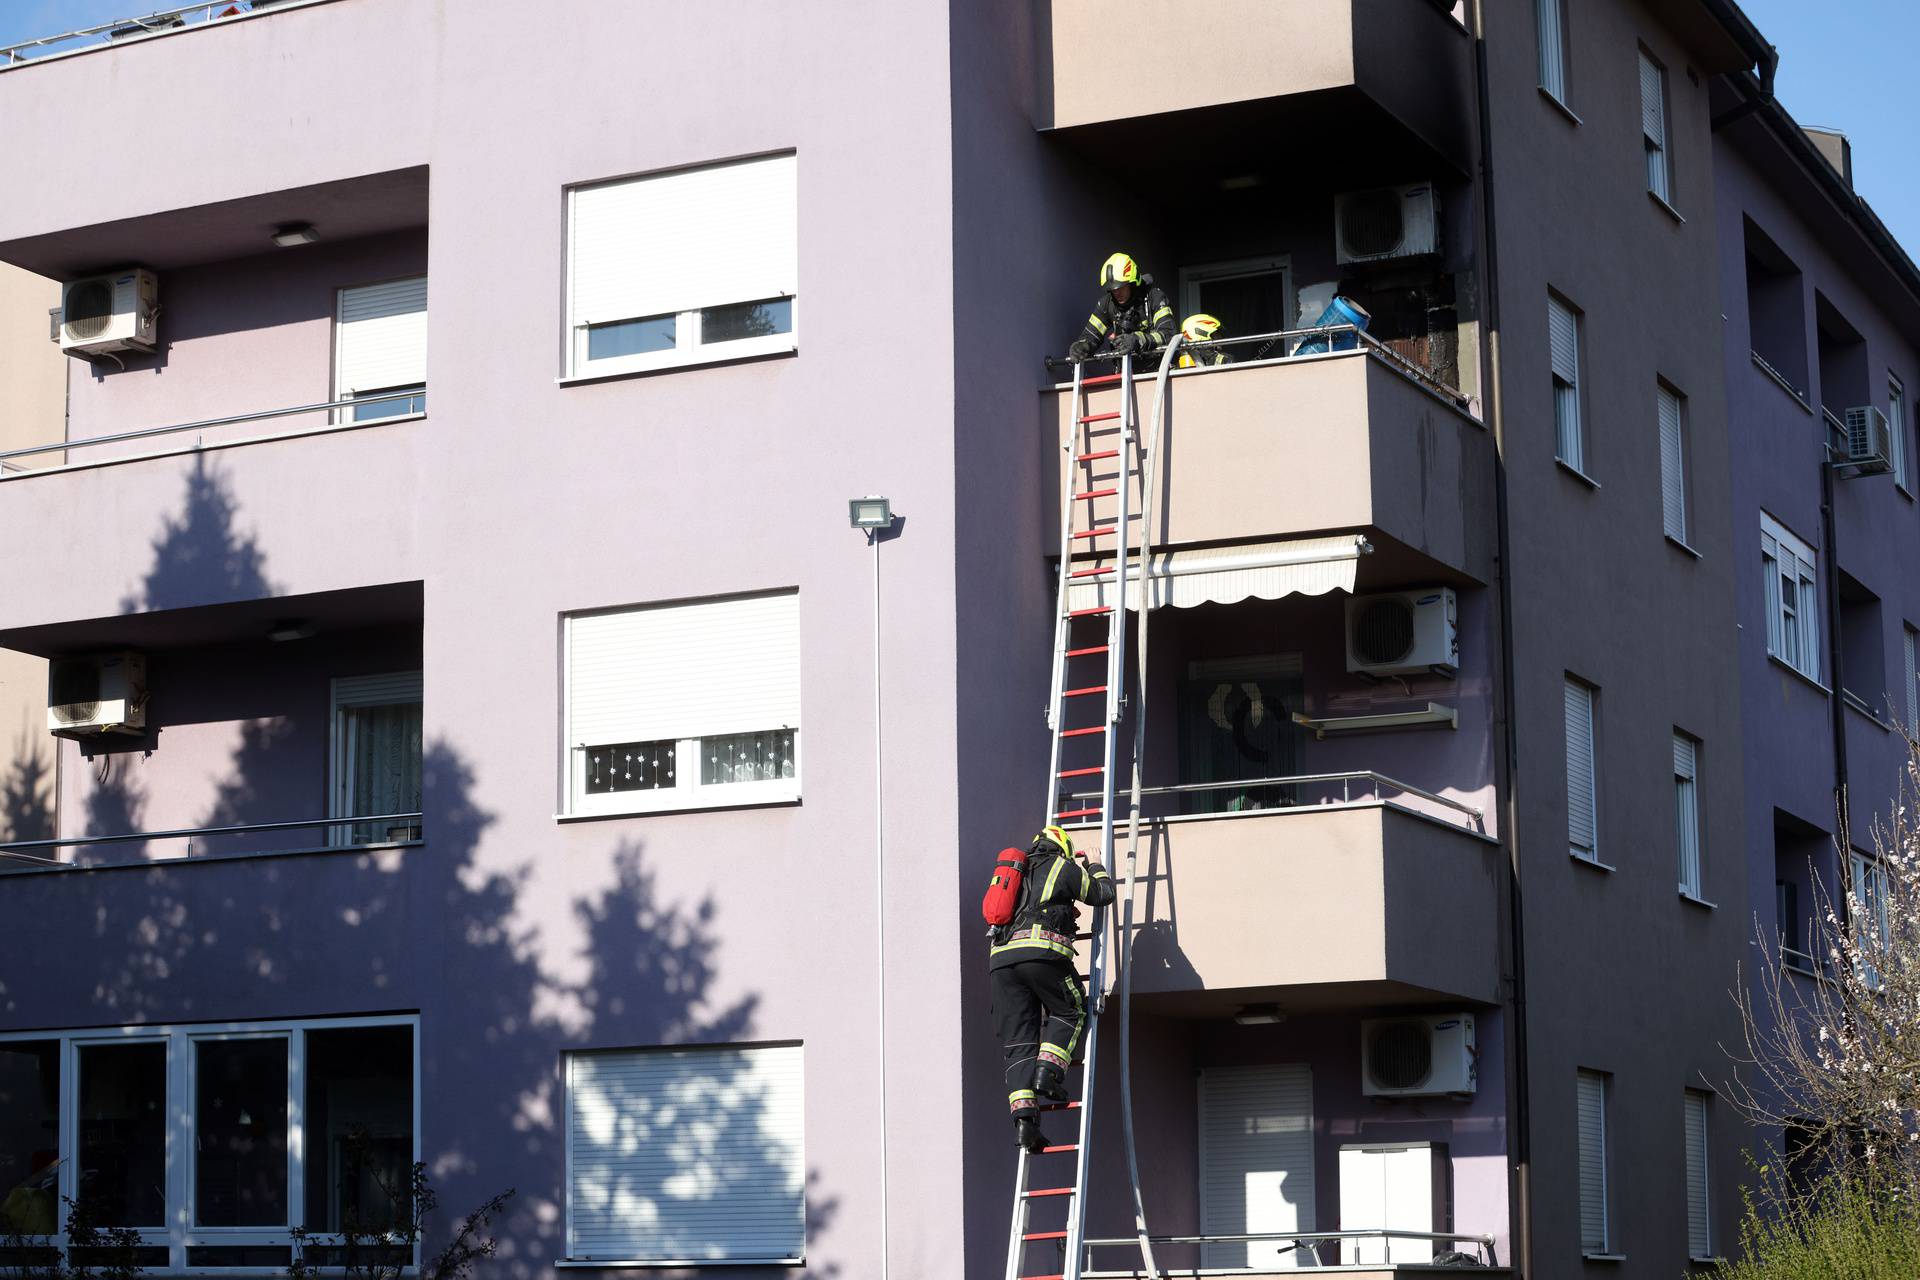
(1403, 633)
(1386, 222)
(1868, 444)
(116, 312)
(1425, 1056)
(98, 693)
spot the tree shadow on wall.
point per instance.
(448, 929)
(200, 557)
(26, 793)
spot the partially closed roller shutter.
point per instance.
(1256, 1161)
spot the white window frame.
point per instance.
(1793, 631)
(688, 349)
(1601, 1081)
(1670, 409)
(568, 1059)
(1576, 692)
(1867, 878)
(1569, 431)
(179, 1233)
(1688, 833)
(1656, 127)
(392, 689)
(1191, 278)
(1697, 1114)
(688, 792)
(1550, 27)
(342, 392)
(1897, 433)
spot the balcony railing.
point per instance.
(342, 415)
(398, 829)
(1336, 791)
(120, 30)
(1306, 1243)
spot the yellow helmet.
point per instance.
(1200, 328)
(1059, 837)
(1118, 270)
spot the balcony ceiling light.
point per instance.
(1257, 1015)
(290, 629)
(294, 233)
(1240, 182)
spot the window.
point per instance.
(1595, 1229)
(1686, 810)
(1254, 295)
(1867, 913)
(686, 1153)
(1653, 126)
(674, 268)
(1897, 432)
(1673, 464)
(1563, 336)
(1792, 595)
(211, 1141)
(684, 705)
(1863, 668)
(1699, 1218)
(1776, 312)
(1910, 675)
(1235, 725)
(1256, 1162)
(380, 349)
(1550, 18)
(1583, 819)
(376, 757)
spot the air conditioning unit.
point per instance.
(1404, 633)
(1868, 444)
(1426, 1056)
(1386, 222)
(98, 693)
(114, 312)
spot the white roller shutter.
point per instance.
(381, 337)
(684, 670)
(1563, 343)
(1553, 71)
(1582, 816)
(1563, 331)
(1653, 123)
(1673, 466)
(1593, 1161)
(1699, 1220)
(691, 1155)
(1256, 1161)
(694, 238)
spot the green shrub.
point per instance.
(1845, 1232)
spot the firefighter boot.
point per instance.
(1026, 1132)
(1050, 1082)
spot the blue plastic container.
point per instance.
(1339, 311)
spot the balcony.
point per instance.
(1305, 69)
(1325, 441)
(279, 725)
(261, 101)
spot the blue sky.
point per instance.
(1847, 64)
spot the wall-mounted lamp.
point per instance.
(870, 512)
(290, 629)
(1259, 1015)
(294, 233)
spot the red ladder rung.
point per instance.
(1081, 733)
(1089, 573)
(1095, 457)
(1065, 1146)
(1087, 691)
(1082, 613)
(1092, 648)
(1100, 380)
(1054, 1276)
(1048, 1191)
(1100, 417)
(1091, 494)
(1044, 1235)
(1094, 533)
(1075, 813)
(1081, 773)
(1058, 1106)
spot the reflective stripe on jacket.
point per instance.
(1044, 926)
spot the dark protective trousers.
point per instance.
(1039, 1012)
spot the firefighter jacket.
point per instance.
(1048, 916)
(1146, 313)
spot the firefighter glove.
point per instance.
(1080, 349)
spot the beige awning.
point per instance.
(1228, 575)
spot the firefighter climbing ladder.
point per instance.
(1101, 454)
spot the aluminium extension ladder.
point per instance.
(1089, 667)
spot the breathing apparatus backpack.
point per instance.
(1003, 894)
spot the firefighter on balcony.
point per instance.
(1197, 350)
(1039, 1007)
(1132, 317)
